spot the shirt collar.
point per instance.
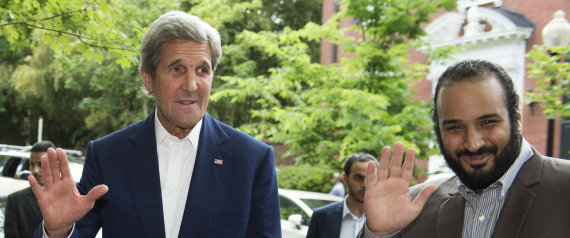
(508, 177)
(161, 133)
(346, 211)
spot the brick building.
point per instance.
(502, 31)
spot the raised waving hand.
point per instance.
(388, 204)
(59, 200)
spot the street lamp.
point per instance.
(555, 33)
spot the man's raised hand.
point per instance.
(59, 200)
(388, 205)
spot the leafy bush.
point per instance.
(305, 177)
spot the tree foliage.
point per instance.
(92, 69)
(305, 177)
(324, 114)
(59, 23)
(269, 83)
(94, 45)
(552, 70)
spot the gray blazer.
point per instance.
(537, 205)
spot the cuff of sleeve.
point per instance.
(368, 233)
(44, 234)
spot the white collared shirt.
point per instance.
(351, 224)
(176, 160)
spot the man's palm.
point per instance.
(389, 207)
(60, 201)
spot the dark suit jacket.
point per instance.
(236, 199)
(326, 221)
(537, 204)
(23, 214)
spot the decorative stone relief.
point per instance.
(473, 27)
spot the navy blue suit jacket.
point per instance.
(235, 199)
(326, 221)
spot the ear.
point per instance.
(344, 178)
(146, 80)
(519, 122)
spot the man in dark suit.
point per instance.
(344, 219)
(180, 172)
(502, 186)
(23, 214)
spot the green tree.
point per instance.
(93, 69)
(40, 92)
(62, 23)
(256, 16)
(95, 43)
(305, 177)
(327, 113)
(9, 113)
(553, 79)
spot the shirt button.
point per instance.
(170, 191)
(175, 158)
(481, 218)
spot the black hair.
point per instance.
(358, 157)
(42, 146)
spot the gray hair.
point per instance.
(176, 25)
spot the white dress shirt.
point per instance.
(176, 160)
(351, 224)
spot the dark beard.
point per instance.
(354, 194)
(479, 178)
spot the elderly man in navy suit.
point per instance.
(344, 219)
(180, 172)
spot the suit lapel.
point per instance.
(33, 203)
(450, 217)
(207, 178)
(338, 213)
(520, 199)
(141, 161)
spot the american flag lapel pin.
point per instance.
(218, 161)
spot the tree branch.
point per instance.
(67, 33)
(45, 19)
(27, 23)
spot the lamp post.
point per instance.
(555, 33)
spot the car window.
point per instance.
(3, 159)
(315, 203)
(10, 166)
(288, 208)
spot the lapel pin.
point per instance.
(218, 161)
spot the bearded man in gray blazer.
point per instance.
(502, 186)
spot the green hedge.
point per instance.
(306, 178)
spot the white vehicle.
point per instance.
(297, 208)
(15, 167)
